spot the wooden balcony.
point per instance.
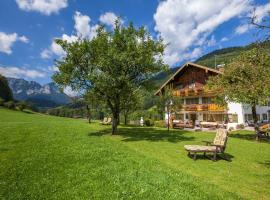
(192, 92)
(203, 107)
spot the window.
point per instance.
(214, 117)
(179, 116)
(192, 101)
(206, 100)
(264, 116)
(248, 117)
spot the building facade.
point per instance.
(188, 84)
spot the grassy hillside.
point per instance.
(44, 157)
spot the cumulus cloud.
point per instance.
(16, 72)
(83, 30)
(191, 27)
(46, 7)
(56, 49)
(7, 40)
(109, 18)
(82, 26)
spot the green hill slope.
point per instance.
(45, 157)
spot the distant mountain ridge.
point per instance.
(45, 96)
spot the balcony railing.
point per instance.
(191, 92)
(203, 107)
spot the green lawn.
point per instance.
(44, 157)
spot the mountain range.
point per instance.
(43, 96)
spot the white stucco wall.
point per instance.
(241, 110)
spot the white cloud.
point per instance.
(7, 40)
(109, 19)
(23, 39)
(53, 69)
(82, 26)
(46, 7)
(260, 13)
(211, 42)
(56, 49)
(83, 30)
(242, 29)
(224, 39)
(187, 24)
(16, 72)
(45, 54)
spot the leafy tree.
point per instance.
(9, 104)
(5, 91)
(130, 103)
(245, 80)
(111, 65)
(168, 102)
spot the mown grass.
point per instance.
(44, 157)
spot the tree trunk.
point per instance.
(88, 114)
(168, 114)
(255, 120)
(115, 122)
(125, 118)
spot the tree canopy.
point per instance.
(246, 80)
(5, 91)
(111, 65)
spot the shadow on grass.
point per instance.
(132, 134)
(265, 163)
(226, 156)
(28, 112)
(248, 136)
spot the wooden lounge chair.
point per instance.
(109, 121)
(104, 120)
(216, 147)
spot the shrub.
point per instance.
(9, 104)
(149, 122)
(21, 106)
(160, 123)
(2, 101)
(240, 126)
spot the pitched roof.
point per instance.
(184, 66)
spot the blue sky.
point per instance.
(191, 28)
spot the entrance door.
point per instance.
(193, 117)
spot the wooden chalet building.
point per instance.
(188, 83)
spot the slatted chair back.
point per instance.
(109, 120)
(221, 138)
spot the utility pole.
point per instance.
(215, 61)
